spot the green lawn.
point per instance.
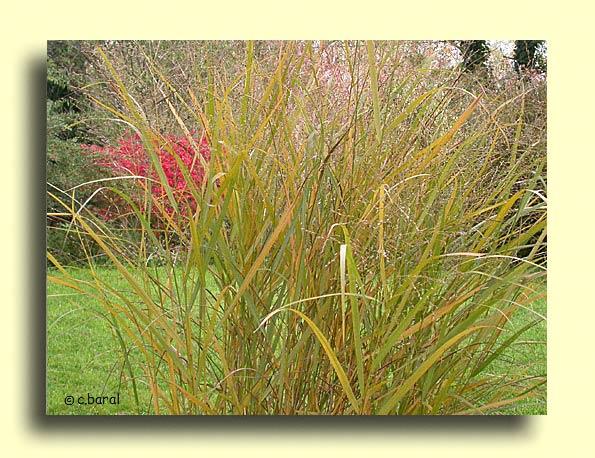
(529, 351)
(82, 356)
(82, 360)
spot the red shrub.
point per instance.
(130, 158)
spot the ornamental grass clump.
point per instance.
(344, 258)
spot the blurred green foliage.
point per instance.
(66, 129)
(529, 55)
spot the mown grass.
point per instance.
(530, 352)
(83, 352)
(81, 355)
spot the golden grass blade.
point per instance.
(330, 353)
(493, 405)
(354, 281)
(342, 254)
(381, 252)
(437, 146)
(374, 86)
(410, 108)
(390, 404)
(400, 333)
(247, 83)
(281, 226)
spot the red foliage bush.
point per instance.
(130, 158)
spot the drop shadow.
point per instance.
(358, 426)
(34, 339)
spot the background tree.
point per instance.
(528, 55)
(66, 112)
(475, 54)
(66, 129)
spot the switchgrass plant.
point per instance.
(368, 235)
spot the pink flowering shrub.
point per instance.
(130, 158)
